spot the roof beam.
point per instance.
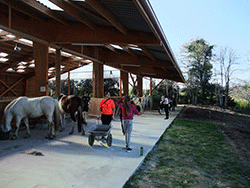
(109, 57)
(128, 50)
(86, 11)
(38, 6)
(124, 58)
(111, 48)
(78, 34)
(74, 13)
(103, 35)
(99, 7)
(147, 52)
(19, 8)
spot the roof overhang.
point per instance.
(126, 33)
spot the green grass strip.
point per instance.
(191, 154)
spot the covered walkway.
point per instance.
(68, 161)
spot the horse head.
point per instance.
(4, 133)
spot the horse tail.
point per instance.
(79, 115)
(57, 120)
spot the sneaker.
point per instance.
(129, 149)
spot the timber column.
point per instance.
(98, 87)
(38, 84)
(123, 83)
(58, 72)
(139, 84)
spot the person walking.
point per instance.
(166, 106)
(119, 112)
(127, 115)
(160, 109)
(85, 108)
(174, 103)
(107, 108)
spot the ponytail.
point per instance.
(126, 105)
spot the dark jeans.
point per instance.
(166, 110)
(106, 119)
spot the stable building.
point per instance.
(38, 42)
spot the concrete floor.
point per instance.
(68, 161)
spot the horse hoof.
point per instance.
(14, 137)
(50, 137)
(27, 136)
(71, 132)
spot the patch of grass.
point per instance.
(242, 106)
(241, 103)
(191, 154)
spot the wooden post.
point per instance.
(9, 16)
(151, 88)
(139, 84)
(58, 72)
(68, 83)
(98, 88)
(38, 85)
(123, 83)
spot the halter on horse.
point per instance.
(70, 105)
(24, 108)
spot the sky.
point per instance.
(223, 23)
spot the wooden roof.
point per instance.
(126, 33)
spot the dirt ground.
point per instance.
(235, 126)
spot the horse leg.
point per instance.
(72, 127)
(6, 125)
(26, 121)
(62, 117)
(83, 129)
(8, 119)
(51, 133)
(18, 120)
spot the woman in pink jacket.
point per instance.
(127, 118)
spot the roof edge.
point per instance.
(154, 23)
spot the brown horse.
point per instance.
(71, 105)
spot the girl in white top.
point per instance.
(166, 106)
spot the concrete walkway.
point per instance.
(69, 161)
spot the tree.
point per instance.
(227, 58)
(85, 86)
(199, 54)
(112, 85)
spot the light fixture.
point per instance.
(17, 48)
(50, 5)
(3, 59)
(148, 73)
(2, 54)
(87, 44)
(130, 65)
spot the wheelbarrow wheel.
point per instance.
(91, 140)
(109, 140)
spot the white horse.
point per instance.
(145, 103)
(24, 108)
(141, 103)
